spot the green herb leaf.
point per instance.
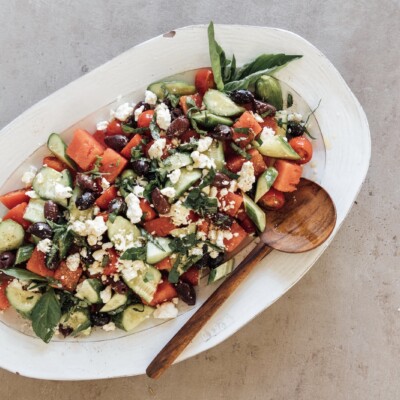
(174, 99)
(154, 129)
(129, 129)
(217, 57)
(46, 315)
(134, 253)
(23, 274)
(183, 245)
(240, 151)
(289, 100)
(229, 173)
(245, 131)
(173, 275)
(198, 201)
(208, 179)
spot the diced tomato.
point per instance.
(246, 120)
(191, 133)
(289, 174)
(4, 303)
(112, 164)
(104, 200)
(258, 162)
(269, 122)
(37, 264)
(84, 149)
(272, 200)
(197, 98)
(55, 163)
(239, 234)
(148, 211)
(111, 267)
(134, 142)
(161, 226)
(204, 226)
(145, 118)
(165, 264)
(165, 292)
(192, 276)
(193, 217)
(235, 163)
(12, 199)
(204, 80)
(17, 215)
(69, 279)
(230, 203)
(114, 128)
(303, 147)
(99, 136)
(245, 221)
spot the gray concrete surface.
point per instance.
(336, 334)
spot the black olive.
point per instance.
(119, 287)
(85, 200)
(100, 319)
(65, 330)
(176, 113)
(41, 229)
(51, 211)
(86, 182)
(221, 132)
(241, 96)
(221, 180)
(214, 262)
(262, 108)
(160, 202)
(178, 126)
(7, 260)
(186, 293)
(141, 167)
(294, 129)
(116, 142)
(117, 206)
(221, 220)
(203, 262)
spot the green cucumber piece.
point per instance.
(264, 182)
(116, 302)
(219, 103)
(24, 254)
(89, 290)
(35, 211)
(74, 212)
(78, 321)
(221, 271)
(209, 120)
(11, 235)
(184, 231)
(177, 88)
(132, 316)
(22, 300)
(57, 146)
(276, 147)
(269, 90)
(255, 213)
(177, 160)
(145, 283)
(216, 153)
(154, 254)
(186, 181)
(121, 226)
(129, 174)
(281, 120)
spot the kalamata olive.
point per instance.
(221, 180)
(85, 200)
(146, 106)
(116, 142)
(241, 96)
(221, 220)
(186, 293)
(100, 319)
(41, 229)
(176, 113)
(159, 201)
(119, 287)
(117, 206)
(178, 126)
(203, 262)
(221, 132)
(294, 129)
(261, 108)
(51, 211)
(214, 262)
(7, 259)
(65, 330)
(141, 167)
(86, 182)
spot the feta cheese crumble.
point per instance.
(138, 191)
(29, 176)
(174, 176)
(246, 176)
(44, 245)
(129, 269)
(296, 117)
(32, 194)
(166, 310)
(201, 160)
(266, 133)
(123, 112)
(137, 112)
(156, 149)
(179, 214)
(168, 192)
(93, 229)
(62, 192)
(102, 125)
(134, 212)
(104, 184)
(163, 116)
(109, 327)
(73, 262)
(106, 294)
(150, 97)
(204, 144)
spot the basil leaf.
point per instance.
(154, 129)
(240, 151)
(174, 99)
(229, 174)
(129, 129)
(208, 179)
(183, 245)
(217, 57)
(46, 315)
(23, 274)
(173, 275)
(134, 253)
(198, 201)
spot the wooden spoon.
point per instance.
(306, 221)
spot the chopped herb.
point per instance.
(229, 174)
(173, 275)
(154, 129)
(128, 129)
(240, 151)
(183, 245)
(174, 100)
(245, 131)
(208, 179)
(134, 253)
(198, 201)
(137, 153)
(289, 100)
(105, 261)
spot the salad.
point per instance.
(119, 226)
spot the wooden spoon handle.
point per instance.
(185, 335)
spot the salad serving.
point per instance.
(118, 226)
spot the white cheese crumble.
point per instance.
(258, 117)
(106, 294)
(168, 191)
(166, 310)
(137, 112)
(266, 133)
(174, 176)
(150, 97)
(109, 327)
(102, 125)
(246, 176)
(296, 117)
(156, 149)
(179, 214)
(129, 269)
(32, 194)
(123, 112)
(29, 176)
(95, 269)
(96, 210)
(44, 245)
(163, 117)
(39, 178)
(124, 242)
(201, 160)
(204, 144)
(93, 229)
(61, 191)
(196, 252)
(73, 262)
(138, 191)
(233, 186)
(104, 184)
(134, 212)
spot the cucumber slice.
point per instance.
(129, 174)
(24, 253)
(155, 254)
(216, 153)
(219, 103)
(78, 321)
(57, 146)
(221, 271)
(178, 88)
(45, 182)
(74, 212)
(277, 147)
(186, 181)
(177, 160)
(281, 119)
(35, 211)
(256, 214)
(132, 316)
(89, 290)
(121, 226)
(146, 282)
(22, 300)
(209, 120)
(11, 235)
(116, 302)
(265, 182)
(187, 230)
